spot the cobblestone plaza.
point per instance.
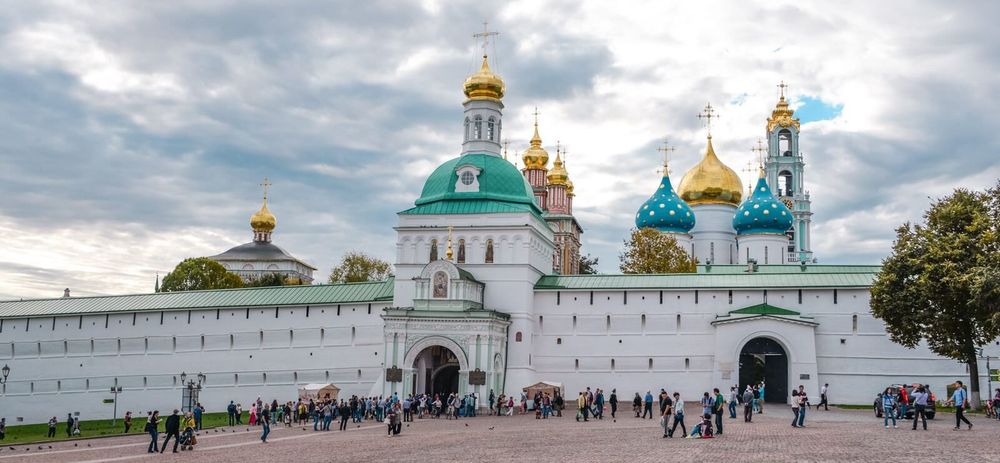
(834, 436)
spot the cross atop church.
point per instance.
(760, 152)
(506, 142)
(266, 184)
(707, 115)
(536, 113)
(485, 36)
(782, 87)
(667, 150)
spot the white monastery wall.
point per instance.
(67, 364)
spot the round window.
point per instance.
(468, 178)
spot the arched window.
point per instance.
(434, 249)
(489, 251)
(461, 251)
(489, 128)
(785, 186)
(467, 128)
(477, 129)
(518, 337)
(247, 267)
(785, 143)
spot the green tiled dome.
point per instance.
(501, 188)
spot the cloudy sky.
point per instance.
(135, 134)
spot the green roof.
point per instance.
(764, 309)
(723, 277)
(468, 206)
(502, 188)
(275, 296)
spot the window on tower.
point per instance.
(785, 187)
(467, 127)
(489, 129)
(785, 142)
(477, 128)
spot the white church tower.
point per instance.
(468, 255)
(785, 168)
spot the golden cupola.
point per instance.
(782, 116)
(263, 223)
(484, 85)
(558, 174)
(711, 182)
(535, 157)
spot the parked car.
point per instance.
(930, 411)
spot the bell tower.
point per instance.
(785, 168)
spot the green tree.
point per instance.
(269, 279)
(940, 285)
(196, 273)
(649, 251)
(357, 266)
(588, 265)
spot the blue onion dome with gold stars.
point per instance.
(762, 212)
(665, 211)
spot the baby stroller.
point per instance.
(188, 439)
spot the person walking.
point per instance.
(961, 401)
(636, 404)
(581, 404)
(231, 410)
(239, 413)
(667, 406)
(152, 424)
(69, 425)
(128, 421)
(53, 422)
(734, 398)
(795, 408)
(647, 406)
(822, 397)
(173, 428)
(717, 409)
(803, 405)
(344, 411)
(888, 407)
(678, 416)
(599, 404)
(264, 417)
(920, 397)
(3, 428)
(198, 411)
(748, 405)
(613, 401)
(996, 404)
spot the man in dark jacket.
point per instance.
(173, 428)
(613, 401)
(231, 409)
(345, 412)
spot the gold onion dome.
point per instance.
(569, 188)
(484, 85)
(263, 220)
(558, 174)
(711, 182)
(535, 157)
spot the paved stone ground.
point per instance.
(834, 436)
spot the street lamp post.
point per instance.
(189, 395)
(114, 414)
(5, 371)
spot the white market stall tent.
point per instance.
(318, 392)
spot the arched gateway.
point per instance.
(763, 360)
(436, 371)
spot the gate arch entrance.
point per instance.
(765, 360)
(436, 371)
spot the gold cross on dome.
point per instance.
(485, 35)
(667, 150)
(759, 151)
(782, 87)
(707, 115)
(266, 184)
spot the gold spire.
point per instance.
(782, 114)
(558, 175)
(711, 182)
(448, 252)
(263, 220)
(535, 157)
